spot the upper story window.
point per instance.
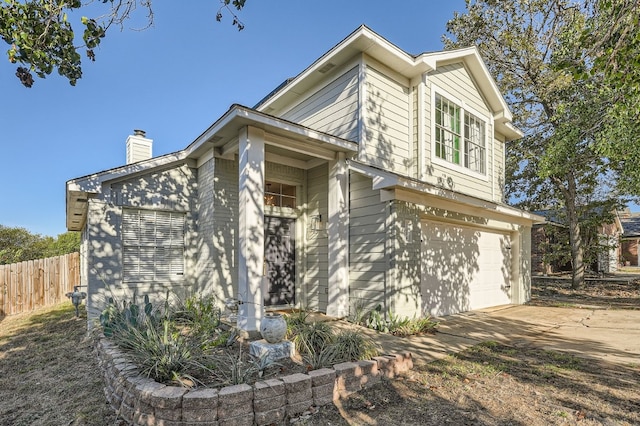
(457, 144)
(447, 130)
(279, 195)
(474, 143)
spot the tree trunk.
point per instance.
(575, 240)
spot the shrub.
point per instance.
(113, 318)
(353, 346)
(396, 325)
(168, 344)
(416, 326)
(160, 352)
(312, 337)
(202, 317)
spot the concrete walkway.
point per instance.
(609, 335)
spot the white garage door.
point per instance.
(463, 268)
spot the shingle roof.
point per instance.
(630, 224)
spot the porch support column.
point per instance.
(338, 238)
(250, 227)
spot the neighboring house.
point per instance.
(629, 255)
(554, 233)
(544, 236)
(374, 177)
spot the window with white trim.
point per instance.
(461, 145)
(474, 143)
(153, 245)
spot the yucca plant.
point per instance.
(160, 352)
(233, 369)
(312, 337)
(295, 320)
(325, 357)
(353, 346)
(415, 326)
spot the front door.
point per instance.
(280, 260)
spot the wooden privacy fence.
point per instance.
(33, 284)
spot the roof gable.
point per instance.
(365, 41)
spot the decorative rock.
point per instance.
(273, 327)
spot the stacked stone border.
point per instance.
(139, 400)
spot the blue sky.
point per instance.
(173, 80)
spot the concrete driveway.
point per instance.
(609, 335)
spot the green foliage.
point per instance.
(320, 346)
(416, 326)
(178, 342)
(115, 319)
(231, 369)
(545, 56)
(202, 316)
(311, 337)
(161, 352)
(613, 44)
(68, 242)
(42, 38)
(18, 245)
(353, 346)
(397, 325)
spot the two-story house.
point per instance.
(374, 177)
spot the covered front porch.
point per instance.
(292, 224)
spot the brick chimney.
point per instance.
(138, 147)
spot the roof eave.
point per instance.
(383, 179)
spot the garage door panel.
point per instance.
(463, 268)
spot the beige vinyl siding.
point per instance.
(204, 264)
(217, 226)
(332, 109)
(456, 81)
(317, 258)
(415, 172)
(172, 190)
(367, 244)
(404, 237)
(499, 156)
(224, 236)
(386, 138)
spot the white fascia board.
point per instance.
(239, 116)
(90, 186)
(510, 131)
(475, 63)
(383, 180)
(363, 40)
(93, 183)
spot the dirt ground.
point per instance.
(618, 293)
(49, 376)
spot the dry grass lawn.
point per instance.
(49, 376)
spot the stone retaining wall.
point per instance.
(139, 400)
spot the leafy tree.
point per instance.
(612, 43)
(68, 242)
(18, 245)
(537, 51)
(42, 38)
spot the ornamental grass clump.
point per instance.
(168, 344)
(394, 324)
(320, 346)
